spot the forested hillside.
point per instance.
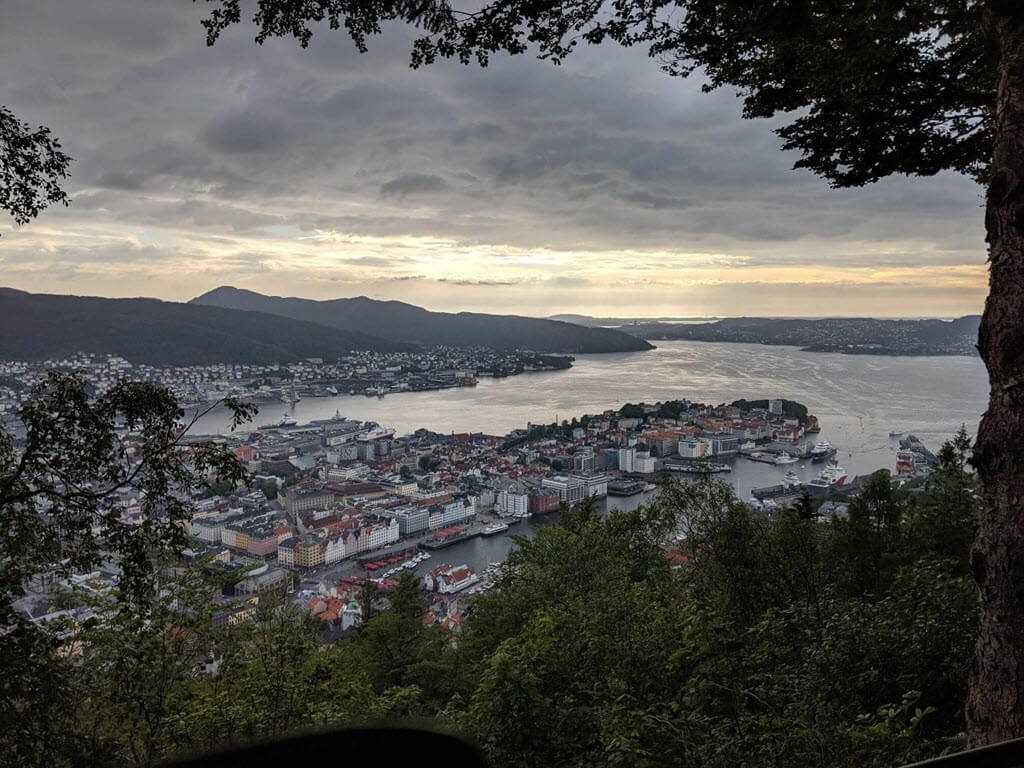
(398, 321)
(36, 326)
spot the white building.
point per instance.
(627, 459)
(694, 448)
(594, 484)
(570, 488)
(451, 513)
(644, 463)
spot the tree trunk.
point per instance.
(995, 706)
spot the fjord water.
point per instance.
(859, 400)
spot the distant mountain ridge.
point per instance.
(401, 322)
(849, 335)
(37, 326)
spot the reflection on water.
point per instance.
(859, 400)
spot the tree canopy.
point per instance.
(797, 641)
(32, 168)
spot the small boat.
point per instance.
(495, 528)
(785, 458)
(331, 390)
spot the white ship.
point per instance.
(785, 458)
(792, 479)
(496, 528)
(829, 477)
(833, 474)
(822, 451)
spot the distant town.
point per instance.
(357, 373)
(338, 508)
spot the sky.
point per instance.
(600, 187)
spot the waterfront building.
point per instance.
(725, 444)
(541, 503)
(411, 519)
(443, 515)
(594, 484)
(447, 579)
(695, 448)
(570, 489)
(512, 499)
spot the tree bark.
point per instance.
(995, 706)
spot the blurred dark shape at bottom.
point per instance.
(1004, 754)
(377, 746)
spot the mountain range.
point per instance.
(848, 335)
(37, 326)
(397, 321)
(263, 329)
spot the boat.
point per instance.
(791, 478)
(785, 458)
(833, 475)
(331, 390)
(698, 468)
(822, 451)
(896, 434)
(286, 421)
(495, 528)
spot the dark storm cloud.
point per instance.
(602, 153)
(245, 132)
(479, 131)
(412, 184)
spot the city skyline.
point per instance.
(602, 187)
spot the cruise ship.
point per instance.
(494, 529)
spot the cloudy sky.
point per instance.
(602, 186)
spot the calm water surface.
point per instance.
(859, 400)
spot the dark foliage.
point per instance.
(41, 327)
(32, 168)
